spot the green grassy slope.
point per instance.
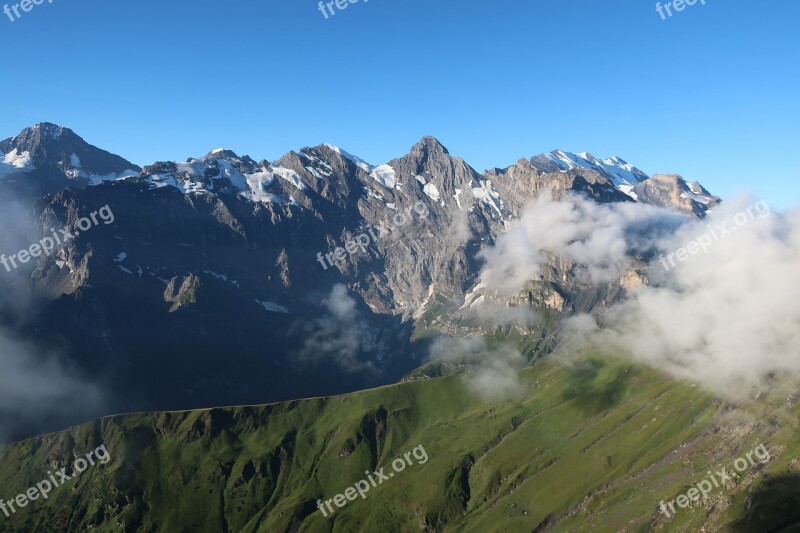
(589, 448)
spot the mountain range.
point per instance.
(211, 269)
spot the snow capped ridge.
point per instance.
(360, 163)
(224, 171)
(383, 174)
(616, 169)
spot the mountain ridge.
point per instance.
(622, 175)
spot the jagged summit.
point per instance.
(33, 138)
(430, 144)
(46, 130)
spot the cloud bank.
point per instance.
(726, 316)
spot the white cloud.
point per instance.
(580, 230)
(728, 317)
(341, 335)
(491, 373)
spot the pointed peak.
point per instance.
(45, 130)
(430, 144)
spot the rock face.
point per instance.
(225, 273)
(180, 292)
(671, 190)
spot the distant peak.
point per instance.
(222, 153)
(614, 168)
(429, 144)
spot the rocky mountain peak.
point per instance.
(47, 130)
(49, 146)
(35, 138)
(429, 145)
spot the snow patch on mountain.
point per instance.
(158, 181)
(385, 175)
(628, 189)
(486, 194)
(16, 162)
(96, 179)
(257, 187)
(432, 192)
(273, 307)
(291, 176)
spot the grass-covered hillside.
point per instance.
(589, 448)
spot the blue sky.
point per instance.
(710, 93)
